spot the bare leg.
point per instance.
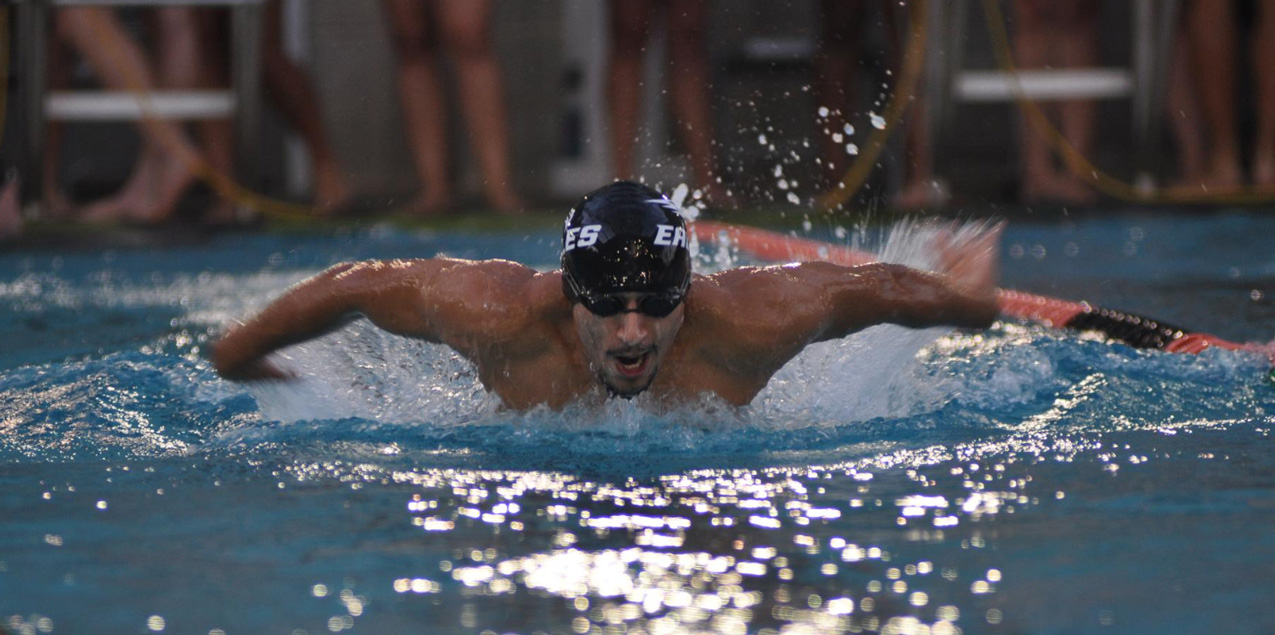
(921, 189)
(466, 33)
(293, 93)
(1077, 48)
(1031, 48)
(1212, 26)
(96, 34)
(1051, 32)
(212, 71)
(835, 67)
(689, 89)
(1184, 112)
(630, 32)
(56, 204)
(174, 37)
(1264, 67)
(10, 211)
(424, 110)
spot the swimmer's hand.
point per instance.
(231, 364)
(972, 263)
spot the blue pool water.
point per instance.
(1021, 480)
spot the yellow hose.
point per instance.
(858, 172)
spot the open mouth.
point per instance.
(632, 365)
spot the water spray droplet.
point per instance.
(878, 121)
(679, 194)
(823, 112)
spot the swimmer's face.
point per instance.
(625, 349)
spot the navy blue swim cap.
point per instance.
(625, 237)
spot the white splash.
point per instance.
(361, 372)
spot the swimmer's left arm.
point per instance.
(771, 313)
(894, 294)
(961, 294)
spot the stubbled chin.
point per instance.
(622, 386)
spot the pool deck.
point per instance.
(42, 235)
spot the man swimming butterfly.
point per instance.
(624, 315)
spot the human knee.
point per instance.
(467, 38)
(411, 42)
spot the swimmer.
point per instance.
(624, 316)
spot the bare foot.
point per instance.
(1058, 188)
(222, 213)
(427, 205)
(56, 205)
(1264, 170)
(505, 201)
(921, 194)
(133, 195)
(331, 193)
(150, 196)
(1222, 176)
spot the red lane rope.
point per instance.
(1052, 312)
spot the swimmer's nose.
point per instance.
(632, 329)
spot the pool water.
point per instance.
(1021, 480)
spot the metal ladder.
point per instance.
(40, 106)
(1143, 82)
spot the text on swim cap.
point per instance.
(584, 236)
(587, 236)
(666, 235)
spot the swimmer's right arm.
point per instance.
(414, 298)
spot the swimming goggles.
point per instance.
(651, 304)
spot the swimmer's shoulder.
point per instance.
(501, 298)
(754, 314)
(748, 293)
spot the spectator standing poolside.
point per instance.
(165, 168)
(1213, 37)
(1058, 34)
(292, 91)
(688, 78)
(837, 63)
(419, 29)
